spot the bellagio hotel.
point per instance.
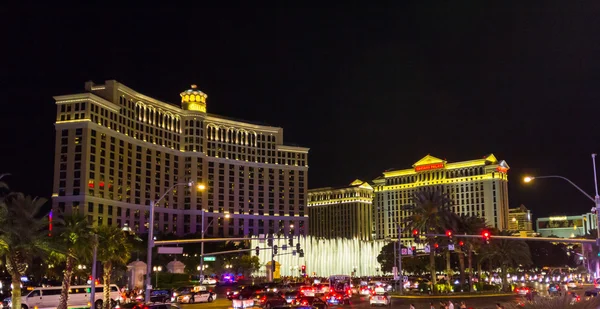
(477, 187)
(117, 150)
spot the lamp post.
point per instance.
(595, 199)
(200, 187)
(156, 269)
(201, 267)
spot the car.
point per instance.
(572, 284)
(199, 294)
(160, 296)
(209, 281)
(291, 296)
(155, 306)
(380, 300)
(321, 288)
(307, 291)
(554, 289)
(314, 302)
(268, 300)
(523, 290)
(365, 291)
(248, 292)
(337, 298)
(591, 293)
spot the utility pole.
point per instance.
(401, 277)
(395, 265)
(93, 283)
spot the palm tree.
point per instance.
(23, 234)
(75, 237)
(114, 249)
(431, 213)
(469, 225)
(505, 253)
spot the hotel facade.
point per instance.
(117, 150)
(342, 212)
(477, 188)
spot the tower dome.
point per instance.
(193, 100)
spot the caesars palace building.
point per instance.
(477, 188)
(117, 150)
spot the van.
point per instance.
(79, 296)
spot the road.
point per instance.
(363, 302)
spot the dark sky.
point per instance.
(366, 88)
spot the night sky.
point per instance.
(366, 88)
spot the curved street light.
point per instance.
(199, 187)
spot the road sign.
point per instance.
(284, 247)
(294, 252)
(404, 251)
(170, 250)
(405, 278)
(410, 252)
(209, 259)
(451, 247)
(426, 249)
(261, 238)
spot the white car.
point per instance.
(380, 300)
(209, 281)
(572, 284)
(202, 296)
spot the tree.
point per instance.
(506, 253)
(431, 213)
(469, 225)
(386, 257)
(75, 237)
(247, 264)
(23, 234)
(114, 248)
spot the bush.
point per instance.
(424, 287)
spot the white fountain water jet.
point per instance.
(324, 257)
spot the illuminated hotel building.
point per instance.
(519, 219)
(566, 226)
(477, 188)
(117, 150)
(343, 212)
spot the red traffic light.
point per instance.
(461, 243)
(415, 232)
(449, 233)
(436, 246)
(303, 267)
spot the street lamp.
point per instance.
(157, 269)
(204, 229)
(595, 199)
(151, 231)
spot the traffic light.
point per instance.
(461, 244)
(436, 246)
(301, 253)
(415, 233)
(275, 249)
(304, 269)
(449, 235)
(257, 250)
(414, 250)
(298, 247)
(486, 236)
(291, 241)
(270, 240)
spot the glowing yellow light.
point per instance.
(227, 216)
(201, 187)
(528, 179)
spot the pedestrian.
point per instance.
(431, 306)
(412, 306)
(498, 306)
(450, 305)
(463, 305)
